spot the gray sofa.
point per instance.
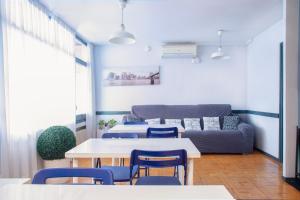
(222, 141)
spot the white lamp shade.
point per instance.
(217, 55)
(122, 37)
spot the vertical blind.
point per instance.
(39, 82)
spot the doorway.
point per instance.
(281, 103)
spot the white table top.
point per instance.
(141, 128)
(116, 192)
(13, 181)
(110, 148)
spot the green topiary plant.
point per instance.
(54, 142)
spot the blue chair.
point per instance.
(105, 176)
(171, 132)
(175, 158)
(135, 123)
(120, 173)
(120, 135)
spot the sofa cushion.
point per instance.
(221, 141)
(173, 122)
(192, 124)
(181, 111)
(231, 122)
(214, 110)
(211, 123)
(153, 121)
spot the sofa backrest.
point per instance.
(181, 111)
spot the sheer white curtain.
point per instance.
(91, 125)
(39, 82)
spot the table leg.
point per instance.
(75, 165)
(190, 172)
(114, 161)
(93, 166)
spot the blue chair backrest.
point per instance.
(171, 132)
(135, 123)
(105, 175)
(175, 158)
(120, 135)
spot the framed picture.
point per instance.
(131, 76)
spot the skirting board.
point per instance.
(267, 154)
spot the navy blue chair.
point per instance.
(175, 158)
(120, 135)
(171, 132)
(120, 173)
(135, 123)
(105, 176)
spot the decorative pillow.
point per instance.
(211, 123)
(153, 121)
(192, 124)
(173, 122)
(231, 122)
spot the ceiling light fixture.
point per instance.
(219, 54)
(122, 36)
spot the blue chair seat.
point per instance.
(158, 180)
(120, 173)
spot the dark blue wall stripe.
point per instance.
(78, 60)
(265, 114)
(113, 112)
(259, 113)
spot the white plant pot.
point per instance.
(100, 132)
(62, 163)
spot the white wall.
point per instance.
(249, 81)
(182, 82)
(263, 73)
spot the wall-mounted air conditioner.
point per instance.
(179, 50)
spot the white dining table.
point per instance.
(115, 192)
(141, 128)
(122, 148)
(13, 181)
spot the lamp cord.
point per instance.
(220, 40)
(122, 15)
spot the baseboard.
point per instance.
(267, 154)
(293, 182)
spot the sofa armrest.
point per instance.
(247, 131)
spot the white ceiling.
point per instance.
(170, 20)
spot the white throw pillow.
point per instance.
(153, 121)
(211, 123)
(192, 124)
(173, 122)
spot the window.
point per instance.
(81, 89)
(39, 82)
(82, 57)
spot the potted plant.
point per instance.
(52, 145)
(111, 123)
(104, 125)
